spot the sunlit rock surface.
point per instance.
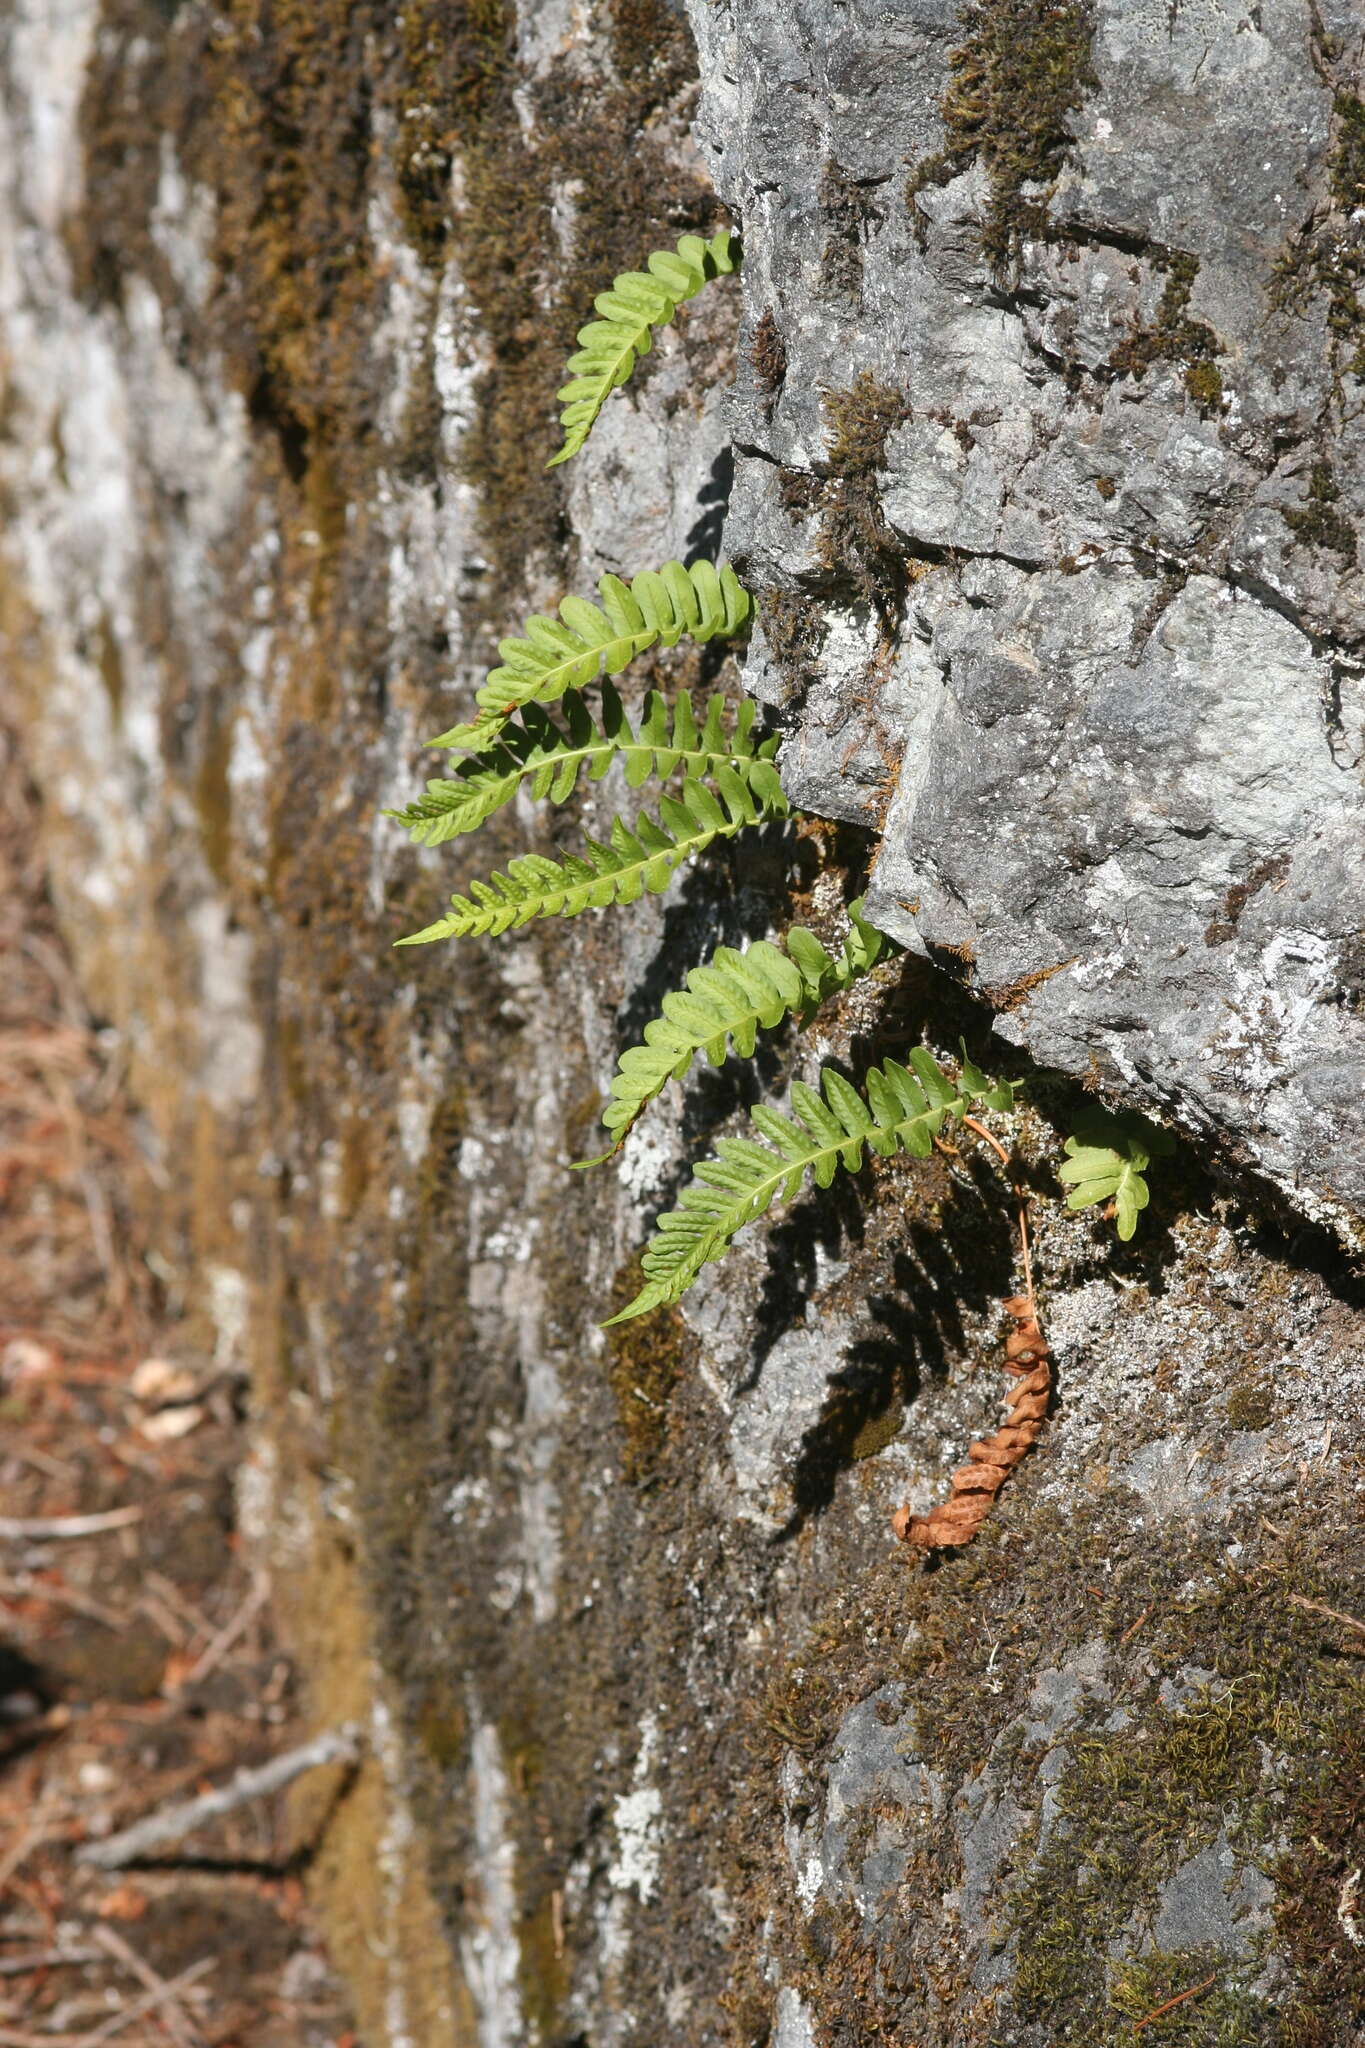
(1044, 473)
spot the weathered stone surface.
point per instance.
(1113, 730)
(672, 1745)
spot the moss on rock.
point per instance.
(1021, 70)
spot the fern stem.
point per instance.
(1021, 1198)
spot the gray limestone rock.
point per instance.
(1107, 715)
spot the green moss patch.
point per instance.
(1260, 1744)
(1326, 260)
(1317, 523)
(1173, 337)
(1022, 68)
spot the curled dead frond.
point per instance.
(956, 1520)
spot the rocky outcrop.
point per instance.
(1089, 652)
(1042, 471)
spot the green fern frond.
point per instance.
(619, 871)
(727, 1002)
(638, 302)
(656, 608)
(534, 751)
(901, 1109)
(1108, 1159)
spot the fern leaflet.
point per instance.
(728, 1001)
(655, 608)
(1107, 1161)
(619, 871)
(638, 301)
(533, 750)
(830, 1130)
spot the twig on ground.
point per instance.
(50, 1527)
(27, 1587)
(173, 2013)
(1158, 2012)
(42, 1461)
(176, 1601)
(1332, 1613)
(213, 1653)
(19, 1852)
(338, 1745)
(46, 1959)
(163, 1995)
(1134, 1626)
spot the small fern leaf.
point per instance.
(628, 864)
(726, 1004)
(1107, 1162)
(533, 751)
(656, 608)
(637, 302)
(902, 1108)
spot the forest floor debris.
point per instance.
(138, 1661)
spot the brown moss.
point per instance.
(1319, 1879)
(1220, 2014)
(860, 421)
(1326, 259)
(768, 353)
(1252, 1752)
(1173, 337)
(848, 207)
(799, 492)
(1268, 871)
(649, 47)
(1318, 523)
(607, 139)
(855, 544)
(645, 1358)
(794, 628)
(1022, 69)
(1252, 1406)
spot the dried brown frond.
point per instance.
(768, 353)
(956, 1520)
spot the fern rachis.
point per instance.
(728, 1001)
(630, 863)
(637, 302)
(656, 608)
(902, 1108)
(534, 752)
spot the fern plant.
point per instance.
(619, 870)
(1106, 1165)
(903, 1108)
(726, 781)
(637, 302)
(655, 609)
(532, 752)
(727, 1002)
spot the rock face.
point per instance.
(1046, 472)
(1090, 642)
